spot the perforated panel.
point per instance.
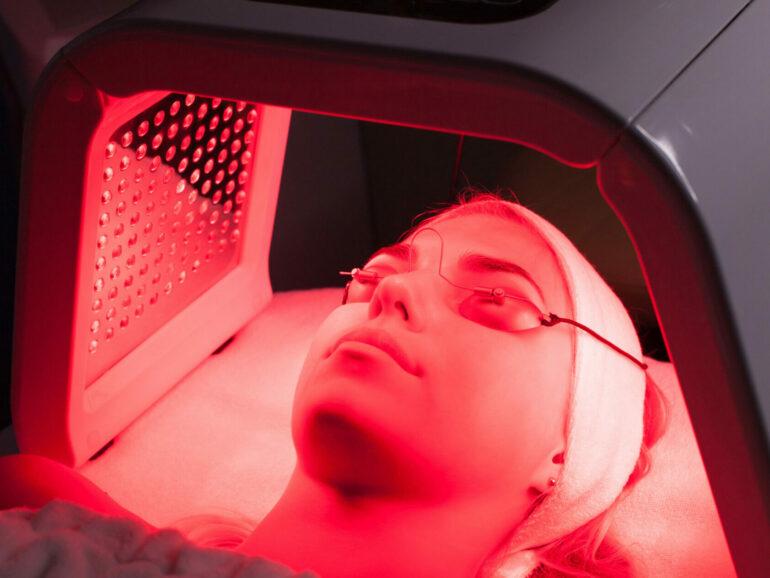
(171, 211)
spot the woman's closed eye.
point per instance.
(363, 283)
(500, 309)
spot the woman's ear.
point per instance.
(547, 473)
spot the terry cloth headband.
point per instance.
(604, 424)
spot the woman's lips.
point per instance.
(381, 340)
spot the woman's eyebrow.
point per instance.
(478, 263)
(401, 251)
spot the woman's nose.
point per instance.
(400, 296)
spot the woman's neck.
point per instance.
(314, 527)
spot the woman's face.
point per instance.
(415, 390)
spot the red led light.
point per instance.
(216, 158)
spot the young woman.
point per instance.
(475, 408)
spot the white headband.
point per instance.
(605, 417)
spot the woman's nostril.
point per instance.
(403, 310)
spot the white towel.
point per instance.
(605, 415)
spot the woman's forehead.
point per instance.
(497, 237)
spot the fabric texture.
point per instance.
(63, 539)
